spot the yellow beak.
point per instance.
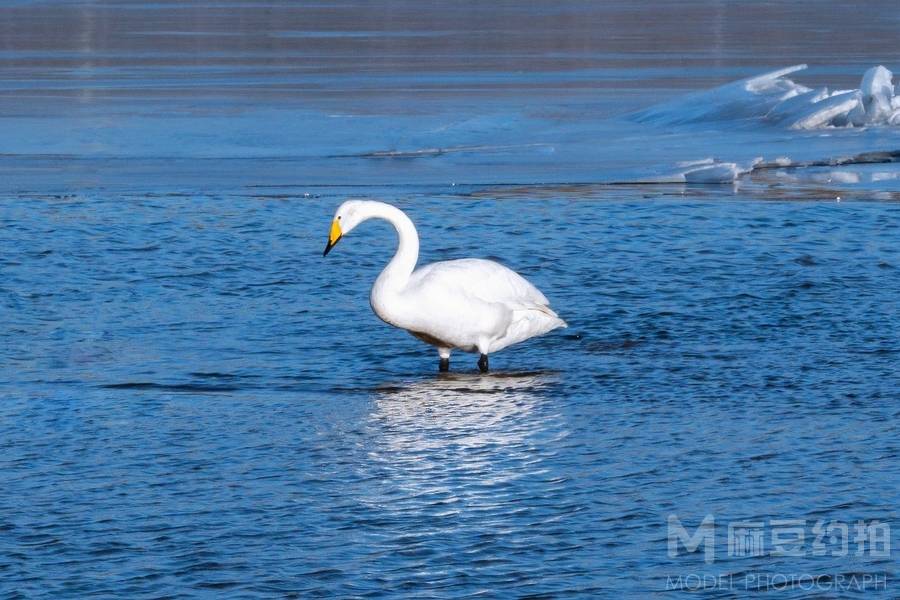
(333, 237)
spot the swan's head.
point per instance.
(348, 215)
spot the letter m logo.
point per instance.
(705, 534)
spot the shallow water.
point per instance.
(196, 404)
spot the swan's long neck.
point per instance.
(396, 274)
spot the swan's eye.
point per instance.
(339, 217)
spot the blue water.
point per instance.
(194, 403)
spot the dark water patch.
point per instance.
(599, 346)
(171, 387)
(192, 275)
(150, 248)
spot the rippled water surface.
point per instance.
(195, 403)
(194, 399)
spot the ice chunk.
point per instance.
(746, 98)
(711, 171)
(835, 177)
(832, 111)
(779, 100)
(718, 173)
(792, 108)
(877, 93)
(774, 80)
(884, 176)
(696, 163)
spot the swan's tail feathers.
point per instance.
(551, 313)
(528, 322)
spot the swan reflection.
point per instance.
(461, 430)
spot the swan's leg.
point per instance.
(483, 363)
(444, 365)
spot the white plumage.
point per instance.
(470, 304)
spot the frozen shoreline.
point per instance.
(217, 97)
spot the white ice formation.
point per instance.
(775, 98)
(710, 170)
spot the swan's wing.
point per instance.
(485, 280)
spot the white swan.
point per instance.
(469, 304)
